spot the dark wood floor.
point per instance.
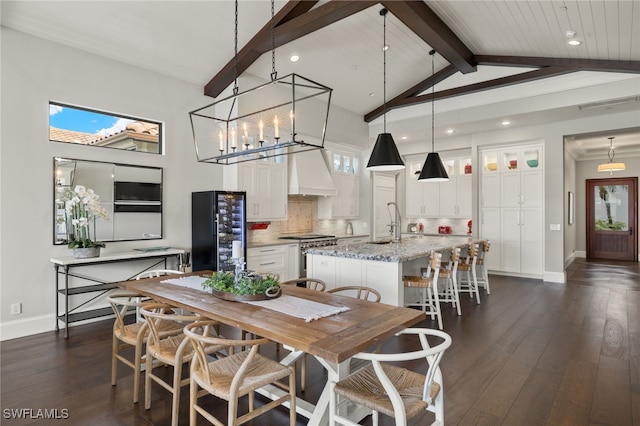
(532, 353)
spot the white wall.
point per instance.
(569, 229)
(35, 71)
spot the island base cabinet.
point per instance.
(385, 277)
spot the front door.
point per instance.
(612, 218)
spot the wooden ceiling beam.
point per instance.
(250, 52)
(296, 19)
(441, 75)
(429, 27)
(524, 77)
(583, 64)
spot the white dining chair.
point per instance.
(386, 387)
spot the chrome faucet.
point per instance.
(395, 225)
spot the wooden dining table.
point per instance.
(333, 340)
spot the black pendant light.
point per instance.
(385, 156)
(433, 169)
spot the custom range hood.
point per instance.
(309, 175)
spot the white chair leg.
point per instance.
(475, 284)
(456, 296)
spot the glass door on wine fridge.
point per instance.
(218, 219)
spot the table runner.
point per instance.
(293, 306)
(300, 308)
(194, 282)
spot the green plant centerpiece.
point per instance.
(245, 286)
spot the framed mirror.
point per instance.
(131, 196)
(89, 127)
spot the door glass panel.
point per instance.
(355, 165)
(611, 207)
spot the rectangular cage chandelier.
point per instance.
(281, 117)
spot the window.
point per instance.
(89, 127)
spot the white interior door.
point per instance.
(384, 192)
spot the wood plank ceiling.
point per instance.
(298, 19)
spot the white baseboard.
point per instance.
(581, 254)
(554, 277)
(26, 327)
(570, 259)
(35, 325)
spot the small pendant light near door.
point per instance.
(385, 156)
(433, 169)
(611, 166)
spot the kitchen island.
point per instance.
(380, 266)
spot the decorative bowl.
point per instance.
(271, 293)
(492, 166)
(532, 163)
(513, 164)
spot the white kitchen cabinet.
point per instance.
(268, 259)
(266, 186)
(282, 259)
(344, 172)
(293, 262)
(449, 199)
(512, 208)
(455, 197)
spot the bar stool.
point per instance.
(468, 283)
(429, 299)
(449, 273)
(481, 265)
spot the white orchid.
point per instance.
(82, 207)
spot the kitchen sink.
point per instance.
(384, 241)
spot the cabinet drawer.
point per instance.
(268, 259)
(266, 251)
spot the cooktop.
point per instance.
(305, 237)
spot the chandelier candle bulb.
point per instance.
(261, 126)
(233, 138)
(221, 141)
(276, 130)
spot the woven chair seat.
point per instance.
(128, 334)
(417, 281)
(364, 387)
(263, 372)
(463, 267)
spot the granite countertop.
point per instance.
(409, 248)
(277, 242)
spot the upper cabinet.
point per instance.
(512, 160)
(446, 199)
(265, 183)
(345, 171)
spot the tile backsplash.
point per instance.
(303, 219)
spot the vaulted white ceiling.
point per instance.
(193, 40)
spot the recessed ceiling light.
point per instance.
(450, 131)
(569, 33)
(404, 138)
(294, 58)
(574, 42)
(372, 93)
(386, 47)
(505, 123)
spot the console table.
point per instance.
(67, 266)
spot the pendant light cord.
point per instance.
(274, 74)
(383, 12)
(611, 153)
(433, 100)
(235, 54)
